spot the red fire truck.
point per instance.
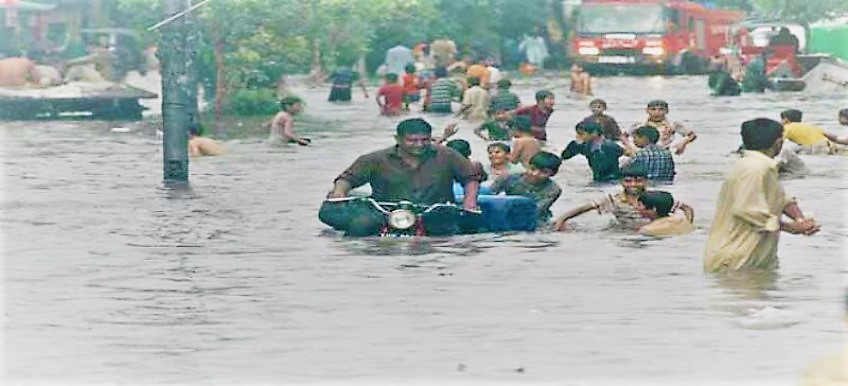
(657, 35)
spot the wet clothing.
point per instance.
(657, 161)
(667, 131)
(602, 155)
(504, 100)
(746, 227)
(392, 179)
(544, 194)
(538, 119)
(626, 215)
(441, 94)
(755, 79)
(723, 84)
(804, 134)
(497, 130)
(667, 226)
(610, 127)
(393, 94)
(478, 99)
(511, 169)
(410, 87)
(342, 84)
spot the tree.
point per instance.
(803, 12)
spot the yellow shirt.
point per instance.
(667, 226)
(803, 134)
(746, 226)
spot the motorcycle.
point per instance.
(360, 216)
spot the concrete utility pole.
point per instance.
(175, 94)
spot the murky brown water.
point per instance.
(112, 279)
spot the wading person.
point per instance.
(810, 139)
(610, 127)
(200, 146)
(657, 117)
(751, 204)
(657, 206)
(601, 153)
(413, 169)
(539, 113)
(623, 205)
(535, 183)
(282, 126)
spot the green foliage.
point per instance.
(804, 12)
(248, 102)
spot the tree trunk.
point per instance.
(220, 78)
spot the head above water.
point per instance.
(650, 133)
(195, 129)
(414, 136)
(504, 84)
(656, 203)
(541, 95)
(473, 82)
(391, 78)
(634, 179)
(843, 117)
(658, 103)
(499, 145)
(588, 127)
(410, 68)
(289, 101)
(546, 162)
(762, 134)
(460, 145)
(791, 115)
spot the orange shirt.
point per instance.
(410, 84)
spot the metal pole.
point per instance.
(174, 96)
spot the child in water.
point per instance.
(282, 126)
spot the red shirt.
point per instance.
(538, 119)
(393, 94)
(410, 84)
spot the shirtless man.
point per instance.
(200, 146)
(283, 122)
(581, 82)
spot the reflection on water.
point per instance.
(112, 278)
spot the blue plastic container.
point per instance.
(503, 213)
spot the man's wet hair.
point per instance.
(410, 68)
(413, 126)
(545, 161)
(473, 82)
(658, 103)
(660, 201)
(504, 83)
(440, 72)
(843, 113)
(195, 129)
(598, 101)
(542, 94)
(649, 132)
(792, 115)
(522, 123)
(760, 133)
(289, 101)
(499, 145)
(391, 77)
(634, 170)
(589, 126)
(460, 145)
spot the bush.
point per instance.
(259, 101)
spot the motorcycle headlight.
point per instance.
(401, 219)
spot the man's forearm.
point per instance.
(470, 190)
(793, 211)
(340, 189)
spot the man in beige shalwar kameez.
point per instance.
(747, 223)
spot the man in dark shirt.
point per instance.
(414, 169)
(602, 153)
(539, 113)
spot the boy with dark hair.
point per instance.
(657, 206)
(657, 117)
(199, 145)
(623, 205)
(411, 86)
(282, 125)
(539, 113)
(497, 128)
(524, 144)
(601, 153)
(535, 183)
(499, 165)
(658, 162)
(505, 99)
(811, 139)
(610, 127)
(392, 96)
(751, 205)
(464, 148)
(843, 117)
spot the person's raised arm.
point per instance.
(478, 131)
(448, 132)
(688, 211)
(689, 136)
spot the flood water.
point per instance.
(110, 278)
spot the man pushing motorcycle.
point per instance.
(413, 170)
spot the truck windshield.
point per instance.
(610, 18)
